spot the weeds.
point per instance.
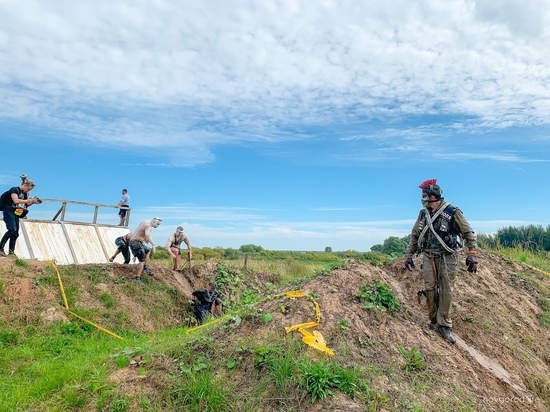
(327, 269)
(378, 296)
(201, 392)
(414, 361)
(21, 263)
(320, 378)
(108, 300)
(344, 324)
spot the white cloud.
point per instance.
(187, 76)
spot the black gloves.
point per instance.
(471, 262)
(409, 263)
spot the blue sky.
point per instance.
(293, 125)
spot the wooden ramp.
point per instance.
(65, 241)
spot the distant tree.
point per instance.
(251, 248)
(210, 253)
(394, 246)
(486, 241)
(376, 248)
(529, 237)
(230, 254)
(328, 249)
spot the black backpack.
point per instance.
(4, 199)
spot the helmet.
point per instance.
(430, 188)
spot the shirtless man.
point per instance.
(141, 243)
(173, 245)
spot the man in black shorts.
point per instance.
(141, 243)
(122, 247)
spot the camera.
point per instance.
(38, 200)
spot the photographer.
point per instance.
(207, 302)
(14, 204)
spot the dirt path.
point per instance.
(493, 366)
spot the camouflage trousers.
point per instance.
(439, 272)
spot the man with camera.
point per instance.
(14, 204)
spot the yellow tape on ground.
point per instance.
(537, 269)
(209, 323)
(74, 314)
(314, 338)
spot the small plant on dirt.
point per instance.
(327, 269)
(318, 379)
(266, 356)
(249, 296)
(344, 324)
(21, 263)
(198, 363)
(378, 296)
(108, 300)
(321, 377)
(414, 361)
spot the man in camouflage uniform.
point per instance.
(436, 235)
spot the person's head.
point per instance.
(431, 192)
(179, 230)
(156, 222)
(212, 286)
(27, 185)
(124, 191)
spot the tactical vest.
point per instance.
(443, 227)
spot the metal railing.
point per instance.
(62, 212)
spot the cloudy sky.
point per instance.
(288, 124)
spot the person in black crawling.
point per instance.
(207, 302)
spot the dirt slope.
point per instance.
(501, 361)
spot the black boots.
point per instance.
(445, 332)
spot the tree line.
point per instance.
(533, 238)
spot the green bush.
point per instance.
(414, 361)
(378, 296)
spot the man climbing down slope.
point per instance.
(436, 235)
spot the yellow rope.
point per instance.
(537, 269)
(74, 314)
